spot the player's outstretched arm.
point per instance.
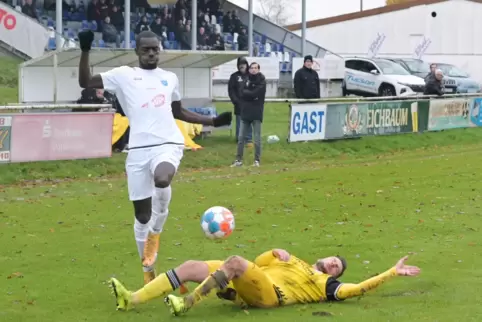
(268, 257)
(345, 291)
(186, 115)
(86, 80)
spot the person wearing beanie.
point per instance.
(237, 81)
(306, 81)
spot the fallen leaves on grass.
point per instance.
(15, 275)
(321, 313)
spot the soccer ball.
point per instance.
(217, 222)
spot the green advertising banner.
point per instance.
(5, 136)
(377, 118)
(447, 114)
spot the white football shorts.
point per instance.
(141, 164)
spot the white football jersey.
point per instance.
(146, 97)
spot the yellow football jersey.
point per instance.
(298, 282)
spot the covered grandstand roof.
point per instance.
(127, 57)
(367, 13)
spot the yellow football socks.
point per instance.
(161, 285)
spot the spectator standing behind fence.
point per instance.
(252, 96)
(433, 84)
(237, 80)
(307, 82)
(431, 73)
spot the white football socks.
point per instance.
(160, 208)
(140, 234)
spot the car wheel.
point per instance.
(387, 90)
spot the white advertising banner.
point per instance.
(21, 32)
(307, 122)
(269, 67)
(327, 68)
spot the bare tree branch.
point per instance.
(275, 11)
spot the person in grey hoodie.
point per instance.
(237, 81)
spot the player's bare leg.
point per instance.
(142, 212)
(233, 267)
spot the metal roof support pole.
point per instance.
(127, 24)
(250, 28)
(194, 27)
(303, 28)
(58, 24)
(55, 75)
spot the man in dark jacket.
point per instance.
(252, 96)
(307, 82)
(236, 81)
(433, 84)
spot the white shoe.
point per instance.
(256, 164)
(237, 164)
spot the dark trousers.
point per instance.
(253, 127)
(249, 134)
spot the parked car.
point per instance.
(379, 77)
(464, 84)
(420, 68)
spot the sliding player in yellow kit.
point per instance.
(276, 278)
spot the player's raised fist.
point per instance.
(86, 37)
(406, 270)
(223, 119)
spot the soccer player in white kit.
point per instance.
(151, 100)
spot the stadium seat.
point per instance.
(133, 36)
(50, 22)
(51, 44)
(283, 67)
(257, 39)
(101, 43)
(93, 26)
(85, 25)
(171, 37)
(267, 47)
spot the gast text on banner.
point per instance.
(307, 122)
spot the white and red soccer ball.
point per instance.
(217, 222)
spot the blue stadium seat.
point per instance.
(101, 43)
(50, 22)
(51, 44)
(257, 39)
(281, 48)
(85, 25)
(133, 36)
(171, 36)
(220, 20)
(174, 45)
(93, 26)
(263, 39)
